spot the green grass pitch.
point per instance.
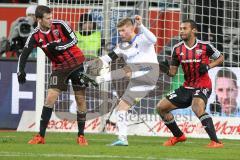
(62, 146)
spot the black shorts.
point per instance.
(182, 97)
(59, 79)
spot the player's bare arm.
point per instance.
(216, 62)
(217, 59)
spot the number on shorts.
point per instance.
(172, 95)
(53, 80)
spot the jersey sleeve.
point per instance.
(68, 32)
(148, 37)
(175, 61)
(212, 51)
(29, 45)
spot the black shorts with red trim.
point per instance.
(59, 79)
(182, 97)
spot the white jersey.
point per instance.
(140, 56)
(140, 49)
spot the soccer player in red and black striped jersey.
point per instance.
(194, 56)
(58, 42)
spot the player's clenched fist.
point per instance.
(138, 19)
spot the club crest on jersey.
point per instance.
(55, 32)
(199, 51)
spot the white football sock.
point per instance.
(122, 125)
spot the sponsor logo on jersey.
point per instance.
(191, 60)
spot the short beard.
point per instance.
(185, 39)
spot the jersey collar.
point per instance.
(132, 40)
(196, 42)
(45, 32)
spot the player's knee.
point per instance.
(198, 110)
(80, 98)
(81, 106)
(198, 106)
(81, 102)
(50, 102)
(161, 108)
(52, 97)
(128, 71)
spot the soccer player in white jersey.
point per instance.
(137, 49)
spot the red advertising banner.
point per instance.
(152, 126)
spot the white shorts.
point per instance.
(144, 79)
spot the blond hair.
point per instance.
(125, 21)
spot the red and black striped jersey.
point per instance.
(69, 54)
(191, 58)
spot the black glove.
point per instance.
(21, 77)
(85, 80)
(203, 69)
(164, 66)
(52, 48)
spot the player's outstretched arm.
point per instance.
(217, 61)
(22, 63)
(149, 35)
(29, 45)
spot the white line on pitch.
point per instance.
(27, 154)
